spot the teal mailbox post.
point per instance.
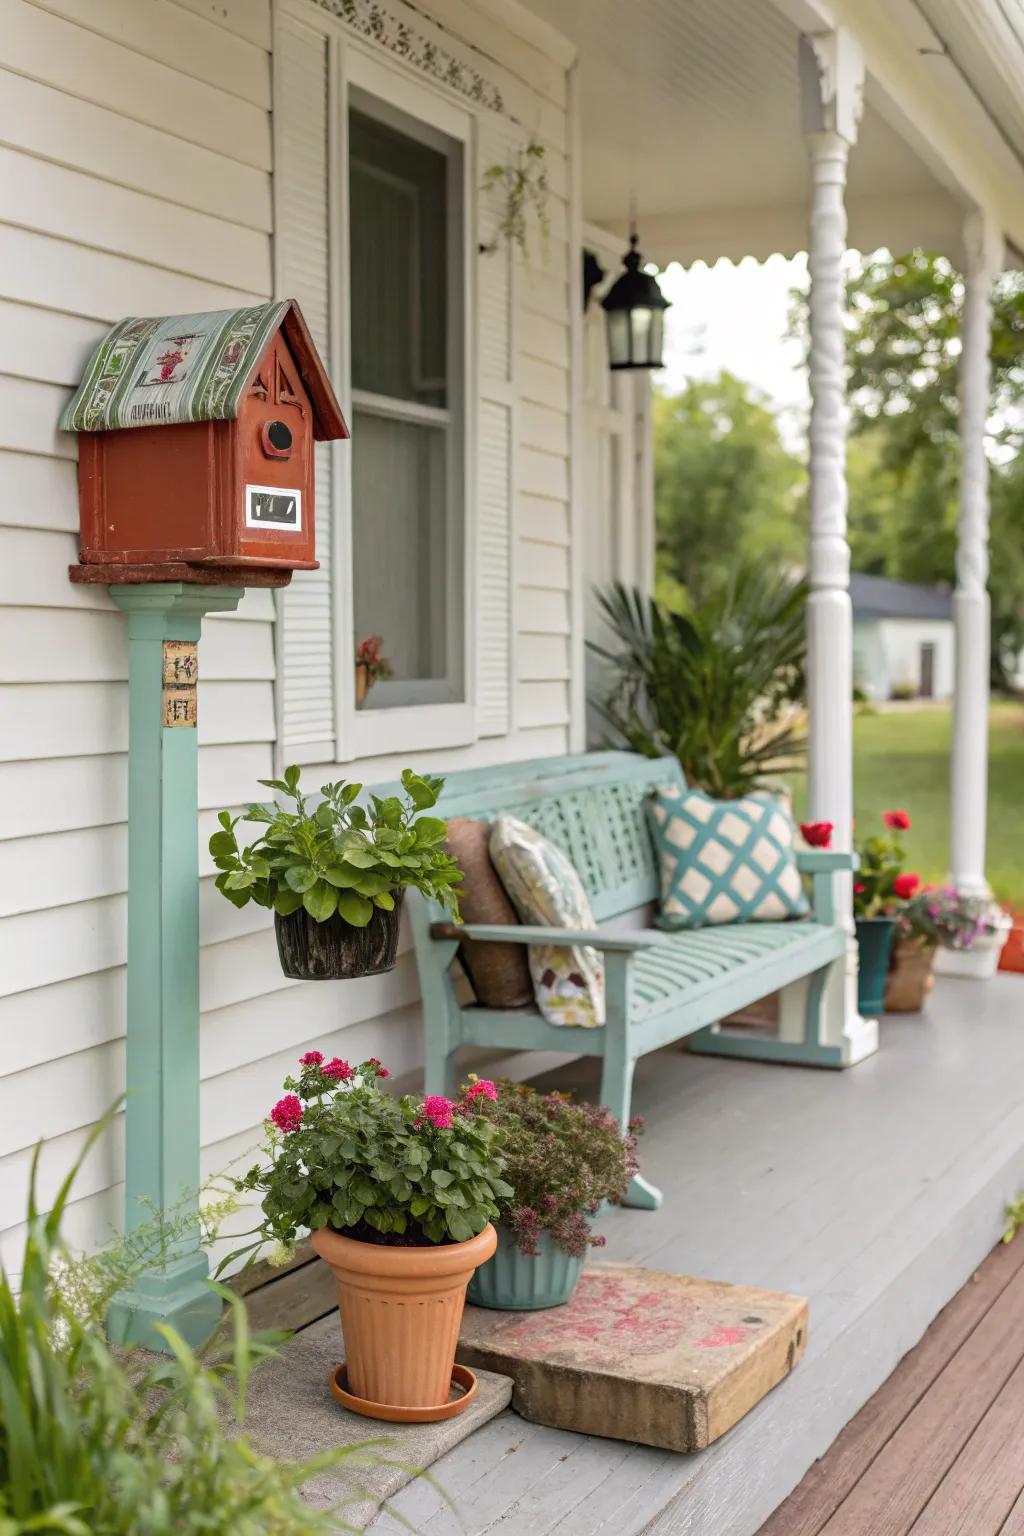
(196, 480)
(162, 1106)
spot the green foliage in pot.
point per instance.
(94, 1442)
(344, 1154)
(718, 686)
(562, 1160)
(880, 884)
(337, 856)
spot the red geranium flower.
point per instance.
(482, 1088)
(896, 821)
(311, 1059)
(858, 888)
(337, 1069)
(438, 1111)
(905, 885)
(287, 1113)
(817, 834)
(374, 1062)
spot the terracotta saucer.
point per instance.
(462, 1377)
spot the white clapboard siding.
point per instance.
(49, 49)
(249, 19)
(39, 493)
(542, 657)
(45, 121)
(70, 205)
(303, 272)
(543, 520)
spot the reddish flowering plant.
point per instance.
(370, 656)
(882, 883)
(342, 1153)
(817, 834)
(562, 1159)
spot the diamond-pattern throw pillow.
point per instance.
(724, 861)
(568, 980)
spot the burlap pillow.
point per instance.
(499, 973)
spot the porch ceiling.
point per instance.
(692, 108)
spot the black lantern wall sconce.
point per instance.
(635, 308)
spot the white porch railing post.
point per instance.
(969, 766)
(831, 80)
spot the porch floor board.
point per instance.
(876, 1192)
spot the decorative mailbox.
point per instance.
(196, 444)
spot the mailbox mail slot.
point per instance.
(196, 440)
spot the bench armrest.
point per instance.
(821, 864)
(523, 933)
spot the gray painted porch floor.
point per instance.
(875, 1192)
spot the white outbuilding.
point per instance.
(903, 638)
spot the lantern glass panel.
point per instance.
(619, 354)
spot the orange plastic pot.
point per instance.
(401, 1309)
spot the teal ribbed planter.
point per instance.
(874, 940)
(511, 1282)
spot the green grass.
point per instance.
(901, 758)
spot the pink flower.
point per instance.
(375, 1063)
(287, 1113)
(311, 1059)
(482, 1088)
(904, 886)
(896, 821)
(438, 1110)
(338, 1070)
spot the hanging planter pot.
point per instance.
(874, 940)
(335, 950)
(513, 1281)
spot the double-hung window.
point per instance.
(406, 289)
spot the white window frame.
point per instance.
(355, 76)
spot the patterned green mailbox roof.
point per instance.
(168, 369)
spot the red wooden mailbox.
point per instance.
(196, 446)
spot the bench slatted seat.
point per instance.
(660, 987)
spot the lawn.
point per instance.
(901, 758)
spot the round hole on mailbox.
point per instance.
(277, 439)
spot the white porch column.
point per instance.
(831, 80)
(969, 769)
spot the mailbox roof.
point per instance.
(167, 369)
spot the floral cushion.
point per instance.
(724, 861)
(568, 980)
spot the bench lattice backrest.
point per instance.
(591, 806)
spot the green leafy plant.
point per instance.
(523, 185)
(562, 1160)
(881, 884)
(95, 1443)
(718, 686)
(343, 1154)
(1014, 1213)
(338, 856)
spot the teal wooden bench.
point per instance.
(661, 987)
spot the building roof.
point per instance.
(163, 370)
(879, 597)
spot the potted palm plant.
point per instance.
(562, 1160)
(399, 1195)
(334, 873)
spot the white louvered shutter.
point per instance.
(306, 651)
(495, 451)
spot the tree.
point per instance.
(903, 346)
(725, 486)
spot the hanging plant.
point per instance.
(522, 183)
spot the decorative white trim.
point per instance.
(983, 244)
(831, 83)
(577, 511)
(376, 23)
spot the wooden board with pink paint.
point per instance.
(642, 1355)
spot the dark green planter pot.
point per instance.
(874, 940)
(513, 1283)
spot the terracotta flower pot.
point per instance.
(910, 976)
(363, 682)
(401, 1309)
